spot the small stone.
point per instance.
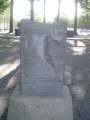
(2, 111)
(78, 77)
(78, 90)
(5, 104)
(68, 81)
(1, 101)
(5, 96)
(67, 74)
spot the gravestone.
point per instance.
(42, 57)
(42, 66)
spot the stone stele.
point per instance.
(42, 57)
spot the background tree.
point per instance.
(44, 13)
(85, 4)
(58, 14)
(75, 18)
(84, 20)
(4, 4)
(11, 17)
(37, 18)
(32, 10)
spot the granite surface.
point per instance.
(42, 57)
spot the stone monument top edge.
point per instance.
(26, 22)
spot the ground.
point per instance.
(76, 75)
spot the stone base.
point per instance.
(26, 107)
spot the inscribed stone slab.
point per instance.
(42, 57)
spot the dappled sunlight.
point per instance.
(79, 43)
(3, 67)
(10, 59)
(7, 68)
(12, 82)
(78, 50)
(70, 42)
(16, 40)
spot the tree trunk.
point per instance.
(44, 14)
(58, 14)
(11, 17)
(32, 10)
(75, 19)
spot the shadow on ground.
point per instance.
(77, 77)
(9, 69)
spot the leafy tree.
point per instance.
(32, 9)
(36, 18)
(11, 17)
(7, 11)
(85, 4)
(75, 18)
(64, 18)
(84, 19)
(4, 4)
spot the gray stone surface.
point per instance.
(27, 107)
(42, 57)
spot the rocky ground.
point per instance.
(76, 75)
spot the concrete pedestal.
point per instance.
(26, 107)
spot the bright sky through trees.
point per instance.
(22, 7)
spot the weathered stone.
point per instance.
(5, 96)
(28, 107)
(2, 111)
(42, 57)
(78, 77)
(77, 90)
(5, 104)
(1, 101)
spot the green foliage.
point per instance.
(37, 18)
(85, 4)
(84, 19)
(7, 11)
(64, 18)
(4, 4)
